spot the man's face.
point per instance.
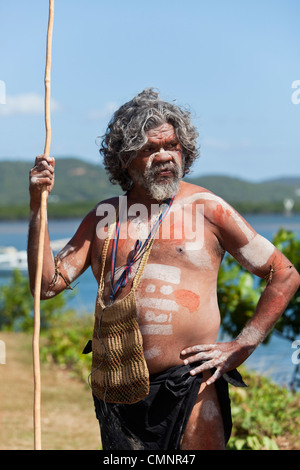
(158, 166)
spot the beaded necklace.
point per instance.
(137, 253)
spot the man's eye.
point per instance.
(173, 146)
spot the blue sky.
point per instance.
(231, 62)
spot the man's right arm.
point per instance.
(74, 258)
(42, 174)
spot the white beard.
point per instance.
(163, 190)
(159, 189)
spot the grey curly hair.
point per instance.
(126, 133)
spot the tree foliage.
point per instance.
(16, 306)
(289, 323)
(262, 413)
(239, 291)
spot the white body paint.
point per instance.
(50, 294)
(198, 255)
(158, 322)
(250, 336)
(150, 288)
(152, 352)
(257, 252)
(188, 224)
(68, 265)
(156, 329)
(70, 270)
(212, 197)
(32, 214)
(209, 410)
(151, 316)
(65, 251)
(162, 272)
(119, 271)
(140, 227)
(161, 304)
(166, 290)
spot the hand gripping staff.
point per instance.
(39, 267)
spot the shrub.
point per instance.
(65, 341)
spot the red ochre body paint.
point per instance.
(188, 299)
(220, 213)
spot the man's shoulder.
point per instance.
(214, 208)
(99, 210)
(193, 193)
(113, 201)
(219, 213)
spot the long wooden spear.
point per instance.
(39, 267)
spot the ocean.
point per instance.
(273, 360)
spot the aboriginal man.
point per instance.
(159, 377)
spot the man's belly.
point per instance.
(173, 317)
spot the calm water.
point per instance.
(273, 360)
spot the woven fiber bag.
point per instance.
(119, 370)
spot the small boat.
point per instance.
(11, 258)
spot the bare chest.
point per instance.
(172, 263)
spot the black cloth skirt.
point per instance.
(158, 421)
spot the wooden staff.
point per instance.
(39, 267)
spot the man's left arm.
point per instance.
(262, 258)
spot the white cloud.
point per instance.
(26, 104)
(105, 112)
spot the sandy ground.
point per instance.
(68, 419)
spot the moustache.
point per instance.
(159, 167)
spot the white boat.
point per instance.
(11, 258)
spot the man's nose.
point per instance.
(162, 156)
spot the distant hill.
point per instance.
(75, 181)
(236, 190)
(80, 184)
